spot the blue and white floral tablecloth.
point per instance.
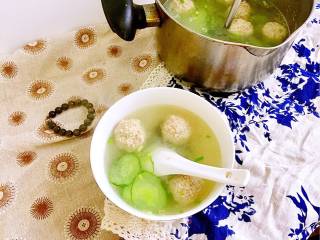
(276, 127)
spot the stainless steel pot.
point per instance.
(216, 64)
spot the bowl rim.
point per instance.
(96, 156)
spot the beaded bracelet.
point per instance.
(64, 107)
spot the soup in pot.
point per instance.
(257, 22)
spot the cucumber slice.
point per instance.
(124, 170)
(126, 193)
(198, 159)
(110, 140)
(146, 161)
(148, 192)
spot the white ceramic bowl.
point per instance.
(100, 160)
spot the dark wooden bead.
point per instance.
(71, 103)
(90, 116)
(58, 110)
(76, 132)
(64, 106)
(91, 110)
(62, 132)
(89, 105)
(52, 114)
(51, 124)
(83, 127)
(84, 102)
(56, 129)
(69, 133)
(87, 122)
(77, 102)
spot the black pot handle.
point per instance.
(125, 17)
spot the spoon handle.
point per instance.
(234, 8)
(168, 163)
(238, 177)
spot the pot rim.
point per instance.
(292, 35)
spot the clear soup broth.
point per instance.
(257, 22)
(202, 147)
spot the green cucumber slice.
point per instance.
(148, 192)
(146, 162)
(198, 159)
(110, 140)
(124, 170)
(126, 193)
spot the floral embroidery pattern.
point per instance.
(64, 63)
(25, 158)
(125, 88)
(35, 47)
(63, 167)
(7, 195)
(8, 70)
(94, 75)
(142, 63)
(17, 118)
(114, 51)
(101, 109)
(41, 208)
(85, 38)
(40, 89)
(83, 224)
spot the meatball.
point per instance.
(175, 130)
(274, 31)
(241, 27)
(129, 135)
(243, 11)
(185, 189)
(181, 6)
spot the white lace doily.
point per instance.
(159, 77)
(130, 227)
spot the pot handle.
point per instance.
(125, 17)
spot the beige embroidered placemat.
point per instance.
(47, 190)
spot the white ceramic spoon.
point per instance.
(168, 162)
(234, 9)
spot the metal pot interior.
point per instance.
(296, 12)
